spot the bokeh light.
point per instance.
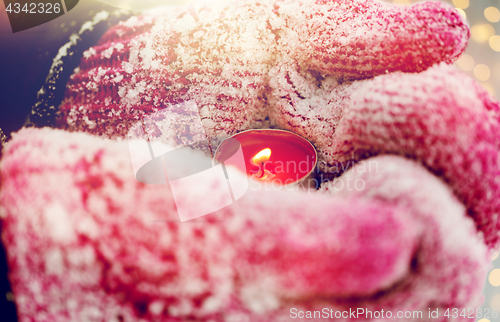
(492, 14)
(489, 88)
(496, 70)
(495, 42)
(401, 2)
(482, 33)
(494, 278)
(484, 320)
(462, 4)
(465, 63)
(495, 302)
(494, 256)
(461, 12)
(482, 72)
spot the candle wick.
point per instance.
(262, 171)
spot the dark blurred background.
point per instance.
(26, 56)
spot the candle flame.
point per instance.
(262, 156)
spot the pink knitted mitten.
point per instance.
(405, 232)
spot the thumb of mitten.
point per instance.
(310, 246)
(365, 38)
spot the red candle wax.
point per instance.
(271, 155)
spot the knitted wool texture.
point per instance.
(331, 71)
(290, 64)
(86, 241)
(222, 56)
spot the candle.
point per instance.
(272, 156)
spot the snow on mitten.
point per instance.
(221, 55)
(86, 241)
(440, 117)
(358, 39)
(217, 54)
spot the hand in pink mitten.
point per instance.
(316, 68)
(439, 117)
(221, 56)
(358, 39)
(95, 244)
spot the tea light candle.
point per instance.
(275, 156)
